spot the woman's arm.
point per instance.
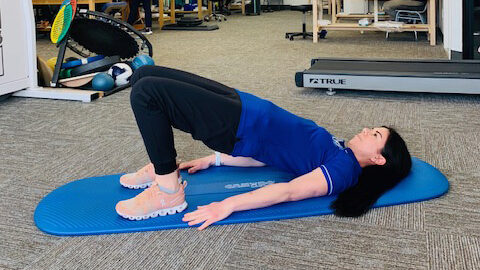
(238, 161)
(312, 184)
(205, 162)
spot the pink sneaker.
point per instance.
(141, 179)
(152, 202)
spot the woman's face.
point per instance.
(369, 143)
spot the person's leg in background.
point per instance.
(147, 7)
(133, 15)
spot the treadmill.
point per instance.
(438, 76)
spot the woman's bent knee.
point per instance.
(139, 90)
(148, 88)
(146, 71)
(139, 73)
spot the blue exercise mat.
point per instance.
(87, 206)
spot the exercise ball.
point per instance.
(103, 82)
(120, 73)
(51, 63)
(142, 60)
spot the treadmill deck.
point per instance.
(398, 68)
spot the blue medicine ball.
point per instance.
(103, 82)
(142, 60)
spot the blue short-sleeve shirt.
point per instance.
(278, 138)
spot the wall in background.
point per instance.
(451, 23)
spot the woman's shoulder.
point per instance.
(341, 170)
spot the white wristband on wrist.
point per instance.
(218, 160)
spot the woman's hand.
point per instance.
(207, 214)
(197, 164)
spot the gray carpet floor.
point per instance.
(46, 143)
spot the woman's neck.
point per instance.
(364, 162)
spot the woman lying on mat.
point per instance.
(250, 132)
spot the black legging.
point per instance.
(132, 17)
(163, 98)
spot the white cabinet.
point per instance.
(15, 52)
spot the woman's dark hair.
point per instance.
(376, 179)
